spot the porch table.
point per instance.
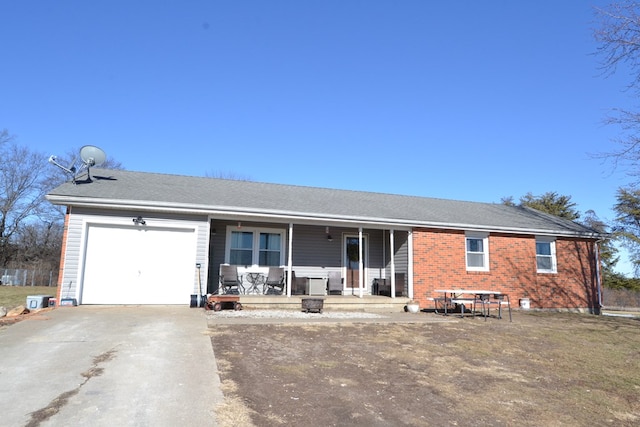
(255, 280)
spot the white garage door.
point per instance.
(141, 265)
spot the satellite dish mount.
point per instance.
(89, 155)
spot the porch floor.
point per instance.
(368, 303)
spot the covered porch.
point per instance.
(368, 260)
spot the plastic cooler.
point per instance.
(38, 301)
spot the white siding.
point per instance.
(81, 219)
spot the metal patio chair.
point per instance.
(275, 283)
(335, 286)
(230, 281)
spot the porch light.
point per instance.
(329, 238)
(139, 221)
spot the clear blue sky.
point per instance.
(470, 100)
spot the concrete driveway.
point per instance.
(109, 366)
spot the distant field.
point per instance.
(13, 296)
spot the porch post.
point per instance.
(360, 263)
(290, 260)
(410, 262)
(393, 264)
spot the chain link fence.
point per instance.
(620, 298)
(21, 277)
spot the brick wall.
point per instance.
(439, 263)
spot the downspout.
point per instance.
(410, 263)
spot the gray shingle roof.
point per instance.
(114, 188)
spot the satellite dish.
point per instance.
(92, 155)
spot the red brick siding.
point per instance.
(439, 263)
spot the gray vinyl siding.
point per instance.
(311, 247)
(401, 254)
(313, 255)
(401, 260)
(69, 285)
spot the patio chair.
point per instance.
(400, 285)
(275, 283)
(230, 281)
(299, 285)
(335, 283)
(380, 286)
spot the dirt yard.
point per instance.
(542, 369)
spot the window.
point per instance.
(262, 247)
(477, 252)
(241, 248)
(545, 255)
(270, 244)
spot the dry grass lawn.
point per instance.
(13, 296)
(552, 369)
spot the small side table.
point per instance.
(255, 279)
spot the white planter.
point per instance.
(413, 308)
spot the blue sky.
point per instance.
(469, 100)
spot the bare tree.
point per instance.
(227, 175)
(618, 35)
(627, 222)
(22, 189)
(37, 245)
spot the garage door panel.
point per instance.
(136, 265)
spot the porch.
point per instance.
(367, 262)
(368, 303)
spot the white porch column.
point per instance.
(290, 259)
(360, 263)
(410, 262)
(393, 264)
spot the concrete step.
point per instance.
(368, 303)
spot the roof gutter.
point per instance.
(300, 216)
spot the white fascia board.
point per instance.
(301, 217)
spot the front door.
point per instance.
(352, 261)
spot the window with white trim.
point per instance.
(546, 255)
(255, 246)
(477, 251)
